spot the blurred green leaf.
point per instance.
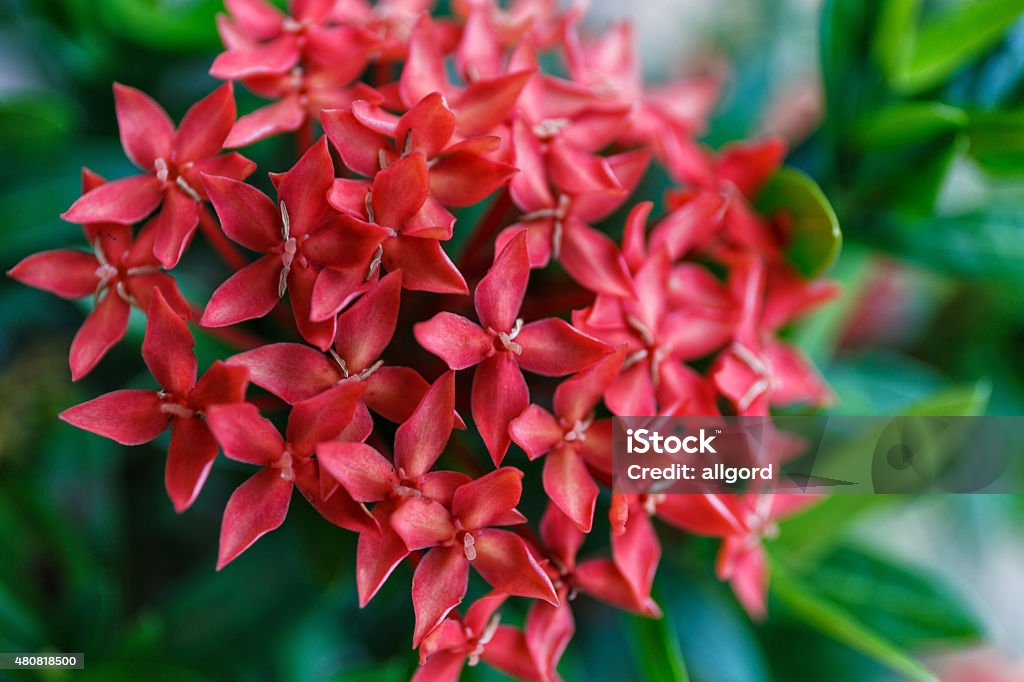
(909, 122)
(996, 141)
(36, 122)
(805, 603)
(916, 58)
(957, 401)
(815, 237)
(903, 604)
(656, 647)
(177, 25)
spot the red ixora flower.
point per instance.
(320, 258)
(118, 274)
(572, 439)
(461, 171)
(173, 161)
(262, 40)
(136, 416)
(476, 636)
(398, 202)
(503, 346)
(295, 372)
(260, 505)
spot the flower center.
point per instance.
(284, 463)
(762, 384)
(171, 407)
(578, 432)
(549, 128)
(505, 341)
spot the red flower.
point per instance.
(300, 95)
(398, 203)
(465, 535)
(742, 560)
(484, 104)
(477, 636)
(503, 346)
(461, 171)
(173, 161)
(572, 439)
(295, 372)
(557, 222)
(368, 476)
(118, 274)
(758, 370)
(310, 251)
(260, 505)
(261, 40)
(132, 417)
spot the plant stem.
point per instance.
(227, 251)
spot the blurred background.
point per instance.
(909, 114)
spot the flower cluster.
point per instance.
(423, 117)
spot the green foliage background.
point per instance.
(921, 153)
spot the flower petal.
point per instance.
(303, 189)
(529, 188)
(322, 417)
(486, 104)
(189, 460)
(426, 127)
(104, 327)
(358, 146)
(250, 293)
(167, 348)
(174, 224)
(65, 272)
(291, 371)
(601, 579)
(273, 57)
(366, 327)
(282, 116)
(301, 285)
(146, 130)
(243, 434)
(504, 561)
(247, 215)
(420, 440)
(220, 384)
(130, 417)
(570, 486)
(548, 630)
(206, 124)
(365, 473)
(592, 259)
(394, 392)
(377, 554)
(636, 553)
(479, 503)
(577, 396)
(454, 339)
(400, 190)
(256, 17)
(422, 523)
(536, 431)
(553, 347)
(257, 507)
(125, 201)
(499, 294)
(438, 586)
(561, 536)
(464, 179)
(424, 265)
(499, 395)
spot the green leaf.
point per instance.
(909, 122)
(181, 25)
(996, 141)
(904, 604)
(35, 122)
(803, 601)
(986, 244)
(958, 401)
(815, 238)
(915, 58)
(656, 646)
